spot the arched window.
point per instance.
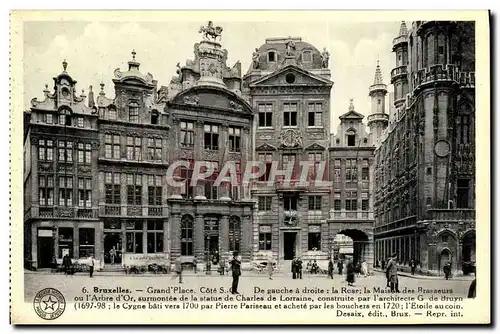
(234, 233)
(65, 117)
(155, 117)
(133, 112)
(307, 56)
(112, 113)
(271, 57)
(187, 235)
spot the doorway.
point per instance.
(212, 248)
(112, 240)
(443, 258)
(45, 252)
(289, 243)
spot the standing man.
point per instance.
(91, 265)
(270, 267)
(330, 268)
(294, 268)
(236, 270)
(413, 266)
(340, 266)
(447, 270)
(195, 265)
(299, 268)
(178, 269)
(222, 265)
(112, 255)
(392, 273)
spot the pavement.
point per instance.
(416, 276)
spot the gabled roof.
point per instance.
(316, 79)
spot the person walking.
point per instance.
(340, 266)
(447, 270)
(330, 268)
(364, 269)
(236, 271)
(299, 268)
(413, 266)
(91, 265)
(222, 266)
(392, 273)
(294, 268)
(270, 267)
(195, 265)
(112, 255)
(67, 264)
(350, 272)
(178, 269)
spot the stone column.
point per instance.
(99, 243)
(368, 252)
(55, 236)
(424, 251)
(199, 238)
(246, 237)
(144, 236)
(166, 238)
(224, 235)
(76, 241)
(175, 235)
(199, 191)
(410, 248)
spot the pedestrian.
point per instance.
(330, 268)
(383, 264)
(340, 266)
(294, 268)
(178, 269)
(364, 269)
(447, 270)
(222, 266)
(270, 267)
(91, 265)
(392, 273)
(67, 264)
(236, 271)
(350, 275)
(299, 268)
(413, 266)
(195, 265)
(112, 255)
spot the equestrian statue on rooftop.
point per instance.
(210, 32)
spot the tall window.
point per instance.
(134, 148)
(337, 202)
(155, 117)
(351, 173)
(134, 237)
(290, 202)
(65, 191)
(84, 153)
(134, 189)
(211, 191)
(155, 237)
(314, 237)
(234, 139)
(112, 113)
(265, 114)
(265, 203)
(187, 134)
(271, 56)
(351, 140)
(336, 171)
(307, 56)
(463, 193)
(133, 112)
(46, 190)
(79, 122)
(289, 114)
(154, 149)
(84, 192)
(288, 161)
(49, 119)
(364, 204)
(211, 137)
(315, 114)
(265, 237)
(315, 203)
(187, 235)
(154, 189)
(267, 159)
(86, 236)
(234, 233)
(185, 174)
(45, 150)
(65, 151)
(112, 146)
(112, 186)
(314, 161)
(365, 175)
(65, 118)
(351, 202)
(464, 129)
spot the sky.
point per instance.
(94, 49)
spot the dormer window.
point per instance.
(307, 56)
(155, 117)
(112, 113)
(65, 118)
(351, 140)
(133, 112)
(271, 56)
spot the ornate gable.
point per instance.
(315, 147)
(291, 76)
(265, 147)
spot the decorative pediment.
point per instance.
(207, 97)
(352, 115)
(315, 147)
(289, 76)
(265, 147)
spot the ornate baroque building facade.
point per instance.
(425, 167)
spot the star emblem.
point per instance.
(49, 303)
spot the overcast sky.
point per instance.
(94, 50)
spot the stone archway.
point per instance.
(362, 246)
(444, 256)
(468, 242)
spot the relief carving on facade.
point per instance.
(186, 154)
(66, 212)
(211, 155)
(95, 145)
(291, 138)
(46, 166)
(193, 100)
(235, 106)
(84, 169)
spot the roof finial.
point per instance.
(403, 30)
(65, 65)
(378, 75)
(351, 104)
(133, 54)
(102, 89)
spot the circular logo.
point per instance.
(49, 304)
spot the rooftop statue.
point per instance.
(210, 32)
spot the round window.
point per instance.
(290, 78)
